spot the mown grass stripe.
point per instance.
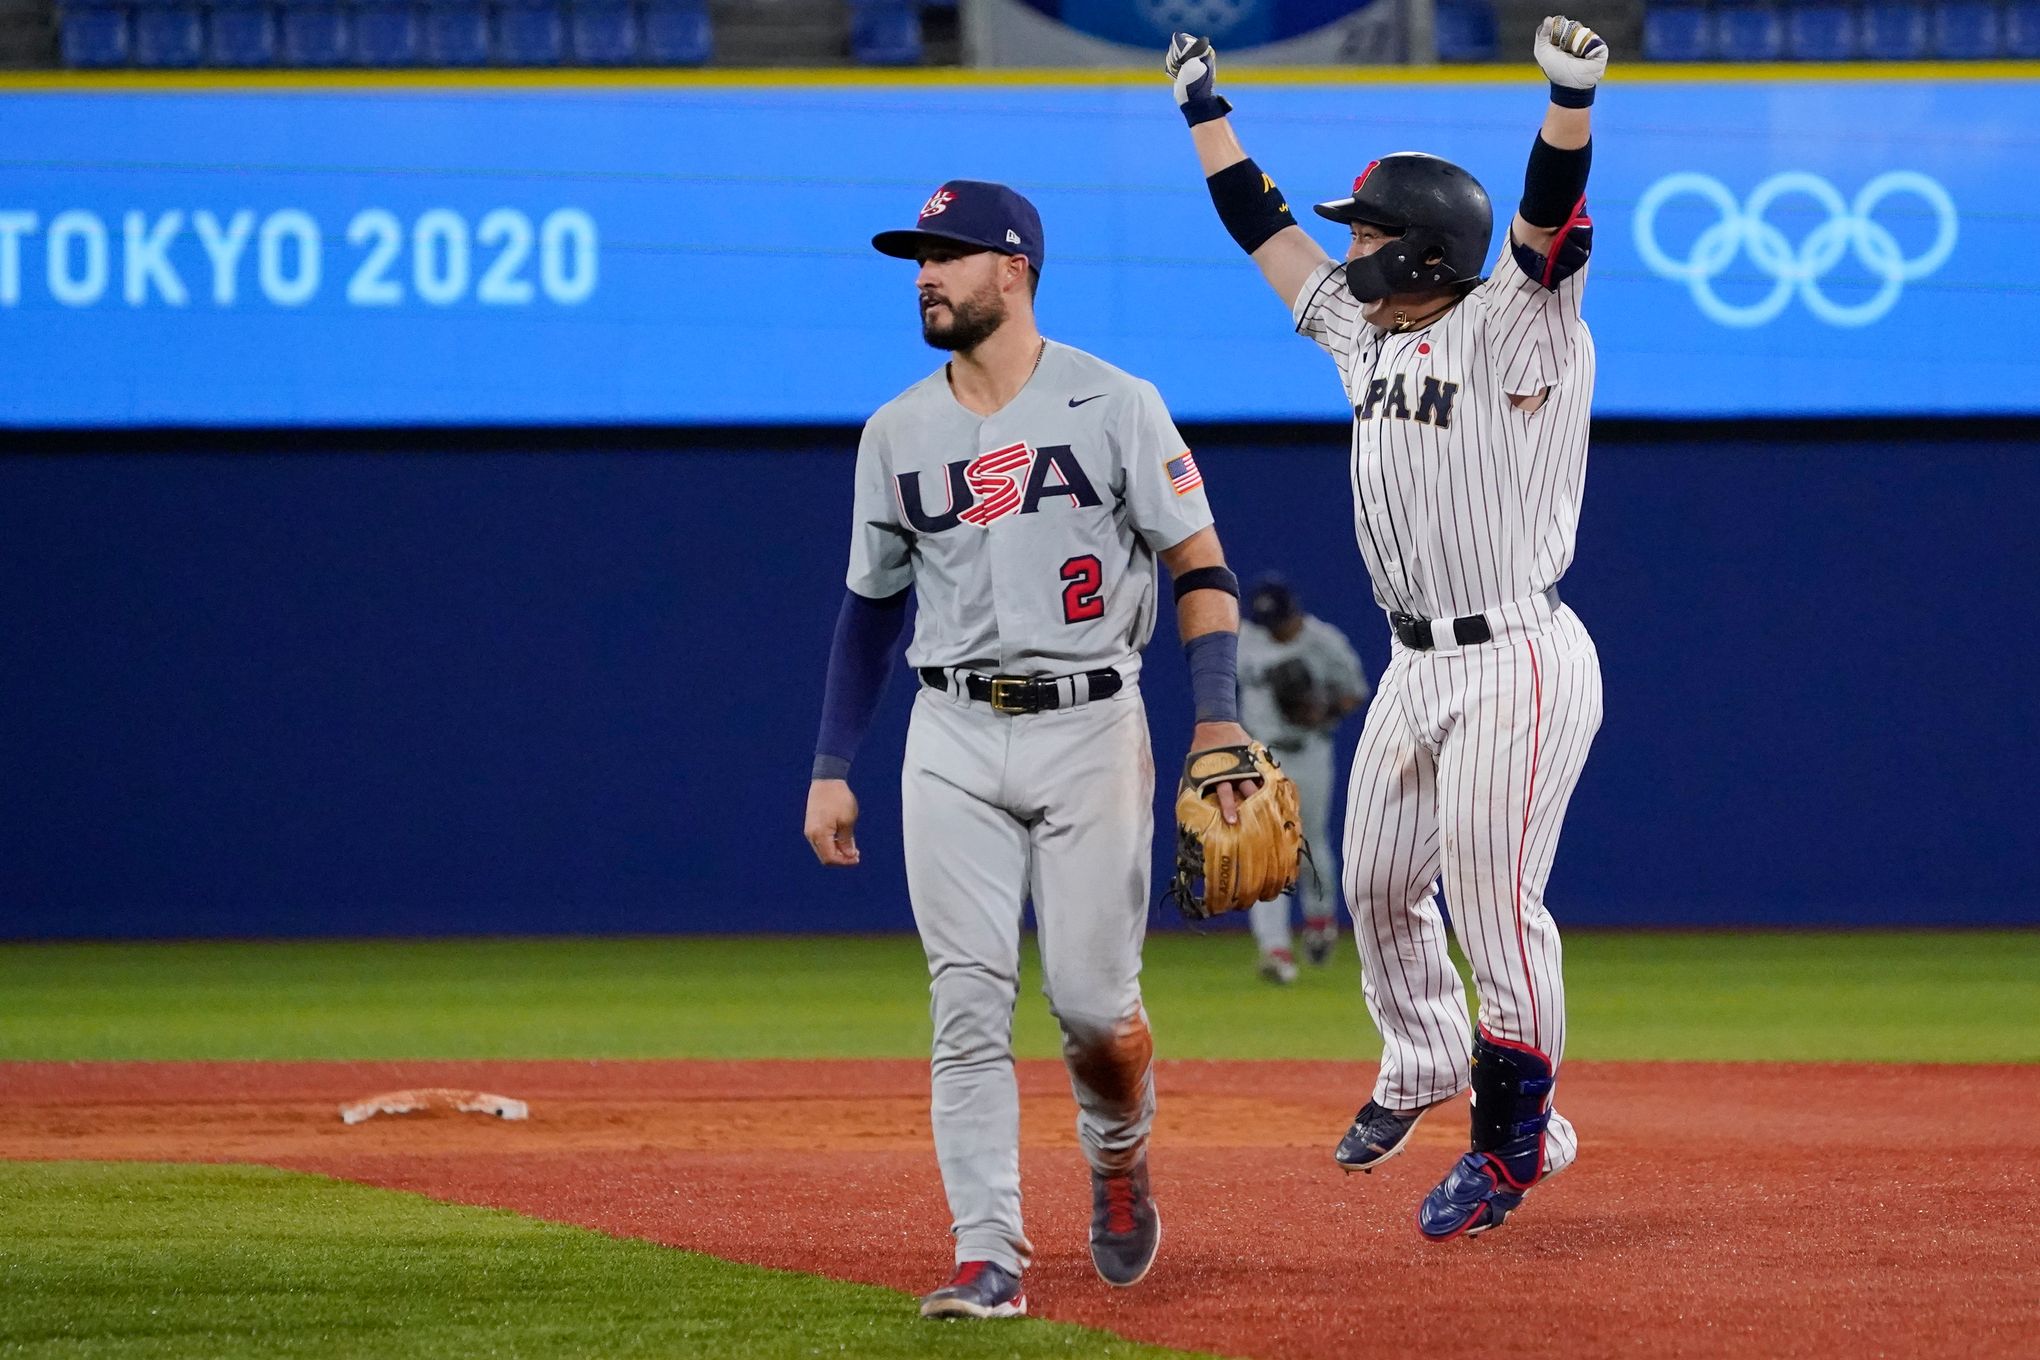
(1841, 996)
(154, 1262)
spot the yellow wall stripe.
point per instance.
(315, 82)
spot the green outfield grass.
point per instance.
(138, 1260)
(1845, 996)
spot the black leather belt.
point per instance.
(1021, 693)
(1467, 630)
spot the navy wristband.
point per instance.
(1215, 675)
(1207, 109)
(1566, 97)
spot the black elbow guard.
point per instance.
(1567, 255)
(1249, 204)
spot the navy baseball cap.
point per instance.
(1271, 601)
(970, 212)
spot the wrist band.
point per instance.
(1215, 675)
(1204, 109)
(1566, 97)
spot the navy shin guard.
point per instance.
(1511, 1107)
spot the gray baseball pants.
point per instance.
(998, 809)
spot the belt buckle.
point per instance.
(1006, 692)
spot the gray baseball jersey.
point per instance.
(1029, 535)
(1324, 654)
(1464, 503)
(1305, 752)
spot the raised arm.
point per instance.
(1574, 58)
(1247, 200)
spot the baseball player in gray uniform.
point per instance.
(1470, 399)
(1023, 493)
(1298, 679)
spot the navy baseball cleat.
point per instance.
(978, 1289)
(1378, 1133)
(1125, 1228)
(1473, 1197)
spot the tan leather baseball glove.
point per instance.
(1222, 868)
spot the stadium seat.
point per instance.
(885, 33)
(314, 33)
(2022, 28)
(1820, 32)
(1748, 33)
(676, 33)
(529, 33)
(1967, 29)
(168, 33)
(93, 34)
(453, 33)
(602, 32)
(241, 33)
(1893, 30)
(1677, 33)
(1464, 31)
(385, 33)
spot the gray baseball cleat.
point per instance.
(978, 1289)
(1126, 1230)
(1378, 1133)
(1319, 936)
(1279, 967)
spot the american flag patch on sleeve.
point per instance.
(1183, 473)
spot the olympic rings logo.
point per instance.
(1849, 228)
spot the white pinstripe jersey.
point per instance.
(1461, 502)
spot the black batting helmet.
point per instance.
(1438, 213)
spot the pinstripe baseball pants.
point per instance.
(1466, 762)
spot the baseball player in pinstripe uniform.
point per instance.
(1470, 399)
(1023, 493)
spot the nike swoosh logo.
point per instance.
(1079, 401)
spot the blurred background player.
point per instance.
(1299, 678)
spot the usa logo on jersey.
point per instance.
(1014, 480)
(1183, 473)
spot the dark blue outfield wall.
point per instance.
(297, 692)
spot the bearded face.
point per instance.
(961, 305)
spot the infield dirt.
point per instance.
(1716, 1210)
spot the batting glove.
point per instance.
(1194, 67)
(1573, 57)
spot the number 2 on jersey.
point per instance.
(1083, 597)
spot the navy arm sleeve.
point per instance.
(867, 632)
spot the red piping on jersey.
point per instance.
(1529, 799)
(1361, 178)
(1578, 218)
